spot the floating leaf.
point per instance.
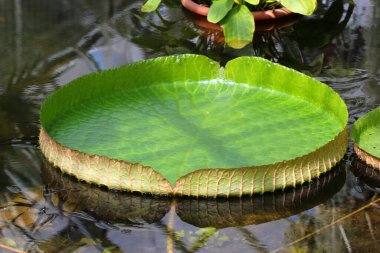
(366, 135)
(192, 128)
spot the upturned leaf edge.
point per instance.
(215, 182)
(357, 129)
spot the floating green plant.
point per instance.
(366, 135)
(181, 125)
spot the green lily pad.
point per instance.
(366, 135)
(182, 125)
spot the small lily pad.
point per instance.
(366, 135)
(181, 125)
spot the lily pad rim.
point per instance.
(363, 122)
(221, 75)
(357, 129)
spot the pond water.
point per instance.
(44, 44)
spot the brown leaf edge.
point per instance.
(135, 177)
(119, 207)
(233, 212)
(267, 178)
(367, 157)
(101, 170)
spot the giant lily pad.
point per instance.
(366, 135)
(182, 125)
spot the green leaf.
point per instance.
(150, 5)
(304, 7)
(366, 133)
(219, 9)
(238, 27)
(253, 2)
(205, 129)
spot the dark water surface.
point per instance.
(44, 44)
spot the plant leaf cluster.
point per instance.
(235, 15)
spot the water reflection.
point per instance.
(72, 214)
(42, 51)
(295, 42)
(366, 174)
(46, 44)
(112, 206)
(232, 212)
(199, 212)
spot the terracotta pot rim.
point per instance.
(202, 22)
(258, 15)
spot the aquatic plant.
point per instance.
(193, 128)
(235, 15)
(366, 135)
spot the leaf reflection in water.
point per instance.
(71, 215)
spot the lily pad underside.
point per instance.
(366, 136)
(181, 125)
